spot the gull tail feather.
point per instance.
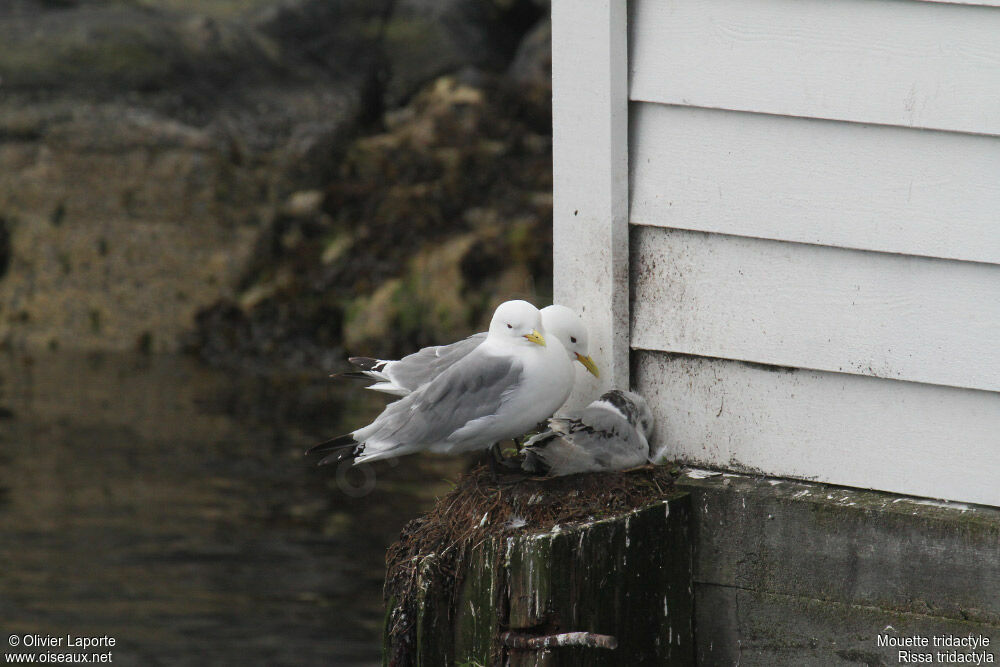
(367, 363)
(336, 457)
(335, 448)
(389, 388)
(354, 375)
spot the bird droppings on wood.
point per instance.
(589, 639)
(438, 546)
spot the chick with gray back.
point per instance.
(612, 433)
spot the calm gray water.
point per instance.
(169, 506)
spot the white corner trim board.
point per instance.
(869, 187)
(590, 178)
(916, 64)
(807, 306)
(857, 431)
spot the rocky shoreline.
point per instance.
(271, 183)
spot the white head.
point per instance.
(567, 327)
(517, 322)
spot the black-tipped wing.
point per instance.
(368, 364)
(338, 448)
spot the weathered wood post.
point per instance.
(627, 576)
(607, 590)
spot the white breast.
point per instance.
(547, 384)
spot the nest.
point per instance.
(481, 507)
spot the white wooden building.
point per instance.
(781, 219)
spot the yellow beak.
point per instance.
(589, 364)
(536, 337)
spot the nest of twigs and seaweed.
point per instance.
(480, 508)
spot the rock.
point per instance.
(142, 147)
(150, 153)
(342, 36)
(304, 203)
(532, 65)
(428, 225)
(427, 302)
(426, 38)
(96, 50)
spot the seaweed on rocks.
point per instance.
(430, 222)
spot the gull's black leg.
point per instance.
(495, 454)
(495, 458)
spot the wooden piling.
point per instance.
(612, 590)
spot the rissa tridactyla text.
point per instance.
(503, 388)
(403, 376)
(612, 433)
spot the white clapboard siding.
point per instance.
(844, 429)
(843, 184)
(984, 3)
(590, 179)
(918, 64)
(891, 316)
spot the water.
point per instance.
(169, 506)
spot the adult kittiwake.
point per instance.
(403, 376)
(504, 387)
(612, 433)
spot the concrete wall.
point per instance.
(797, 573)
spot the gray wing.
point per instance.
(597, 439)
(472, 388)
(419, 368)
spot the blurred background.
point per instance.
(205, 205)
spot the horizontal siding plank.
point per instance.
(903, 437)
(915, 64)
(983, 3)
(869, 187)
(787, 304)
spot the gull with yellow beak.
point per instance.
(407, 374)
(563, 324)
(509, 383)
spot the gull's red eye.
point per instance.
(572, 339)
(509, 326)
